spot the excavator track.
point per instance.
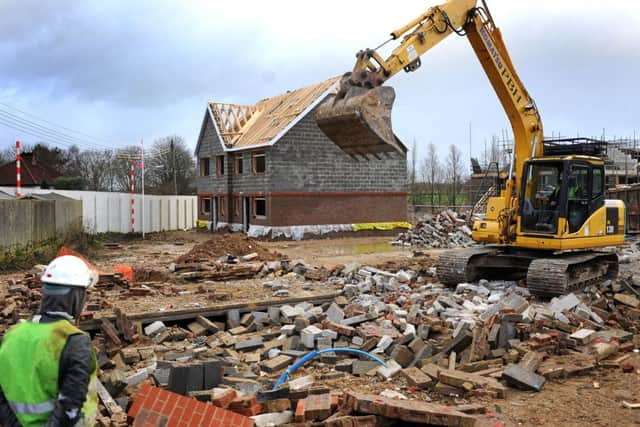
(456, 266)
(546, 275)
(567, 272)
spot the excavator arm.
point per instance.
(358, 117)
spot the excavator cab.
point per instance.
(571, 188)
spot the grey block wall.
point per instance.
(304, 160)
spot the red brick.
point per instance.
(317, 407)
(180, 411)
(299, 415)
(224, 399)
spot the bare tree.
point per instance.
(454, 171)
(431, 170)
(171, 167)
(96, 169)
(121, 169)
(412, 170)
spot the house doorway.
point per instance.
(245, 214)
(214, 214)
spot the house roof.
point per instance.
(32, 174)
(247, 126)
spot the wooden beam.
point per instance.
(211, 311)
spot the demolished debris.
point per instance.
(444, 230)
(441, 348)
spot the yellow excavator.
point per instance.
(551, 215)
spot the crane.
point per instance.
(549, 221)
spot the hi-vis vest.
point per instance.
(29, 365)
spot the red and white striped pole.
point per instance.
(133, 190)
(18, 171)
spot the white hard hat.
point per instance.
(69, 270)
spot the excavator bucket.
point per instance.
(359, 120)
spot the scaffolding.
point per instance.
(621, 156)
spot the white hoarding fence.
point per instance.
(111, 212)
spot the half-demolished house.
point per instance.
(268, 168)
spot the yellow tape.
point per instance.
(381, 225)
(202, 224)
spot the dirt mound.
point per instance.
(235, 244)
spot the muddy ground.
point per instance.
(592, 399)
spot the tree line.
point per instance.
(438, 182)
(170, 167)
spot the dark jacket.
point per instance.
(76, 362)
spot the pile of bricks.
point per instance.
(477, 340)
(444, 230)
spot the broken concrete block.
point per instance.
(335, 313)
(522, 378)
(309, 335)
(290, 312)
(469, 381)
(583, 336)
(566, 302)
(317, 407)
(459, 343)
(273, 419)
(629, 300)
(361, 367)
(154, 328)
(197, 329)
(300, 323)
(249, 343)
(417, 378)
(516, 303)
(301, 383)
(233, 318)
(402, 355)
(383, 344)
(390, 370)
(276, 364)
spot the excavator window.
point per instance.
(540, 207)
(578, 196)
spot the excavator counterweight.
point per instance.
(358, 120)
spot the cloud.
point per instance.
(130, 70)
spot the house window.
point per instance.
(237, 164)
(260, 207)
(205, 206)
(258, 163)
(222, 205)
(220, 165)
(204, 166)
(236, 205)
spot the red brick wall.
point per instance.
(335, 208)
(289, 208)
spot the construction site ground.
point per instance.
(593, 398)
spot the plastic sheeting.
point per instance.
(382, 226)
(297, 232)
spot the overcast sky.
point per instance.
(121, 71)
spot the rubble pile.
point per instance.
(437, 344)
(225, 246)
(444, 230)
(20, 298)
(386, 347)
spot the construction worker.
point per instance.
(47, 365)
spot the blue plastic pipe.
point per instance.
(304, 359)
